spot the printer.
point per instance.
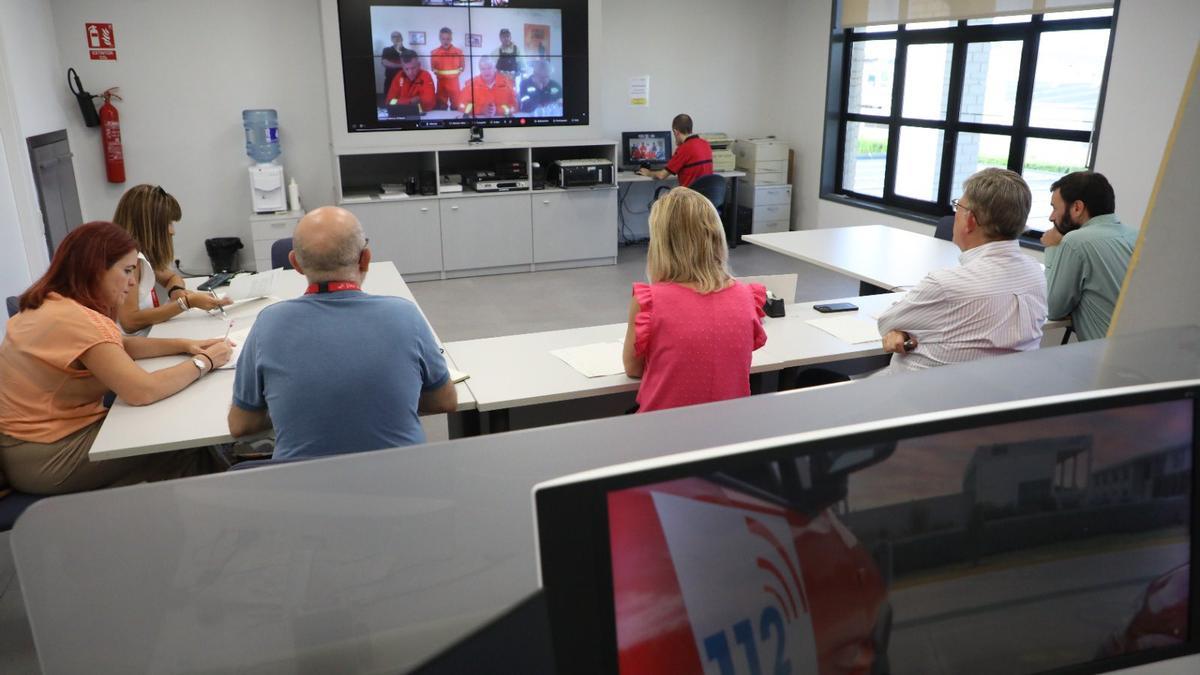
(582, 172)
(722, 151)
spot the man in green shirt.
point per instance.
(1087, 253)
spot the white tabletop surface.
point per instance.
(518, 370)
(197, 415)
(885, 256)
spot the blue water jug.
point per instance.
(262, 134)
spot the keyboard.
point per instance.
(218, 279)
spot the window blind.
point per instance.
(858, 13)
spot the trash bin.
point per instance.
(222, 251)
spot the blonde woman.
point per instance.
(692, 328)
(148, 213)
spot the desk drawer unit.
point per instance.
(753, 196)
(407, 233)
(265, 230)
(771, 218)
(574, 224)
(768, 177)
(486, 232)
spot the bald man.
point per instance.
(338, 370)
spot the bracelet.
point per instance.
(211, 366)
(183, 303)
(176, 288)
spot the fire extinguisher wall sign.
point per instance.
(110, 136)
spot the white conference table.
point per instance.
(197, 415)
(519, 370)
(887, 257)
(883, 256)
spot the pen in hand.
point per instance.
(218, 299)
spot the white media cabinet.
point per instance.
(458, 234)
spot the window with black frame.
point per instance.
(922, 106)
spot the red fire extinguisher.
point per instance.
(110, 136)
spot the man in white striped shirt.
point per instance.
(994, 302)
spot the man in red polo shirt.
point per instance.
(692, 158)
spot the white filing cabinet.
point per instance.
(266, 229)
(764, 188)
(772, 206)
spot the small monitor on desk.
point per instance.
(645, 146)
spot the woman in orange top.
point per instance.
(62, 353)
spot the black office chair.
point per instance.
(279, 253)
(12, 505)
(711, 186)
(945, 228)
(14, 306)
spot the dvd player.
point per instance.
(504, 185)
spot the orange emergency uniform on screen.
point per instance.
(447, 64)
(403, 89)
(480, 95)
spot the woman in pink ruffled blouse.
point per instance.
(693, 327)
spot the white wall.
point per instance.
(1160, 289)
(713, 59)
(14, 269)
(29, 105)
(1151, 55)
(186, 71)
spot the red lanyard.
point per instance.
(332, 287)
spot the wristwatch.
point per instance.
(200, 363)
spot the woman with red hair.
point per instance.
(63, 352)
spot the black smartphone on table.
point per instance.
(835, 307)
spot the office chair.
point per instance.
(711, 186)
(945, 228)
(13, 306)
(279, 253)
(12, 505)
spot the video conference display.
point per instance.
(1015, 548)
(444, 64)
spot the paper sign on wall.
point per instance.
(102, 45)
(639, 91)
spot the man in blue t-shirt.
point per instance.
(337, 370)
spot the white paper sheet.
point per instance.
(238, 338)
(457, 376)
(245, 286)
(851, 329)
(594, 360)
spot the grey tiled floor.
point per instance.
(476, 307)
(462, 309)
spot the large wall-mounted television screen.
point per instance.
(1055, 539)
(436, 64)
